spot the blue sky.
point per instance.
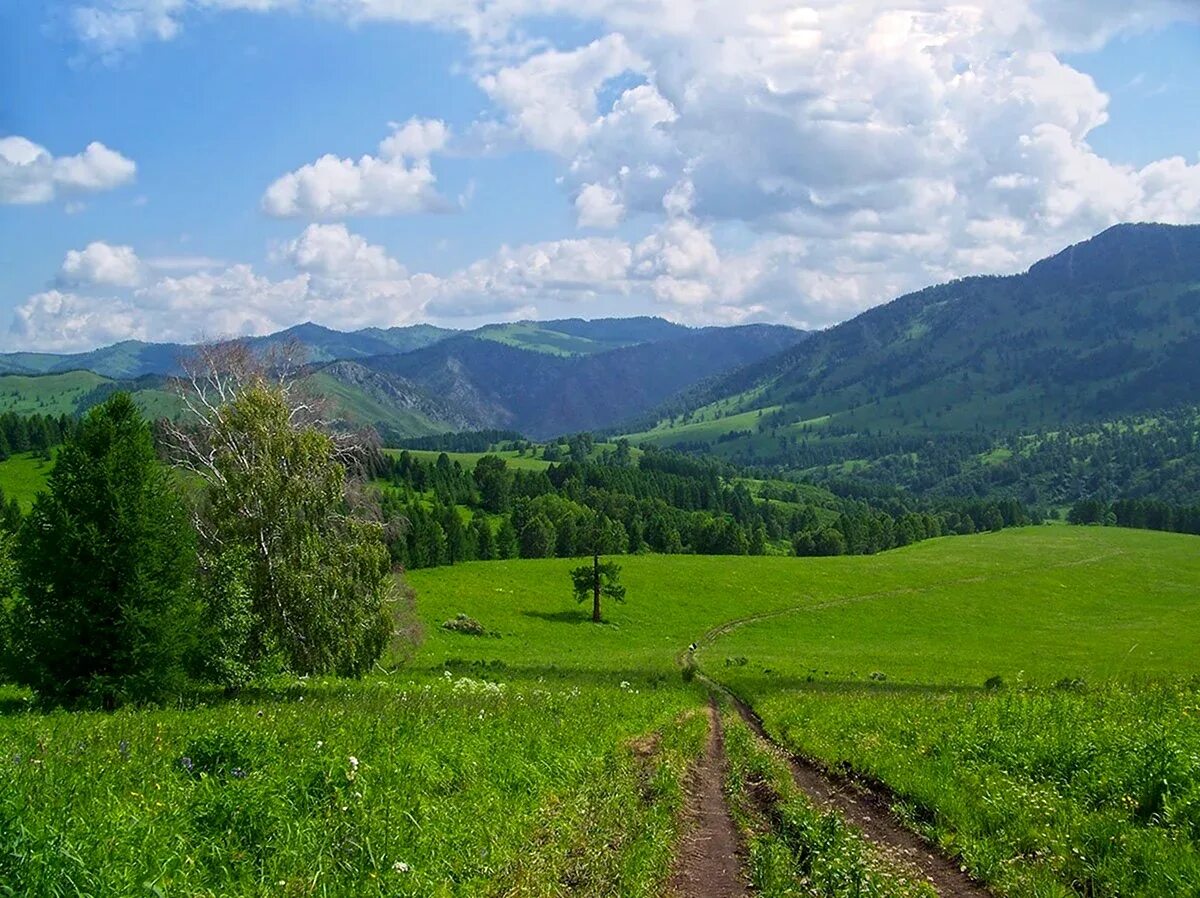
(727, 163)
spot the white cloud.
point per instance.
(332, 251)
(102, 264)
(29, 173)
(850, 151)
(598, 206)
(399, 181)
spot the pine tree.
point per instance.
(106, 561)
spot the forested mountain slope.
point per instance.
(495, 385)
(1107, 328)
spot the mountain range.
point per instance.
(1107, 328)
(541, 378)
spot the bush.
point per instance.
(468, 626)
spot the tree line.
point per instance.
(1141, 514)
(33, 433)
(440, 512)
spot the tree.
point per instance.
(537, 537)
(507, 545)
(495, 483)
(596, 579)
(484, 539)
(106, 563)
(600, 535)
(318, 575)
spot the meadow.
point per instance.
(433, 785)
(545, 755)
(23, 476)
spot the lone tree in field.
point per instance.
(105, 561)
(311, 579)
(600, 578)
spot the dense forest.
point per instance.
(440, 512)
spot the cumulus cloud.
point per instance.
(101, 263)
(340, 279)
(399, 181)
(29, 173)
(598, 206)
(849, 151)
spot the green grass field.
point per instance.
(23, 476)
(564, 775)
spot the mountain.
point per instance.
(575, 336)
(134, 358)
(1107, 328)
(486, 384)
(567, 337)
(544, 378)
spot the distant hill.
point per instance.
(486, 384)
(1106, 328)
(566, 337)
(134, 358)
(543, 378)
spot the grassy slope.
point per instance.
(531, 336)
(23, 476)
(50, 394)
(1035, 788)
(465, 763)
(1052, 602)
(358, 406)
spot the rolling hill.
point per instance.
(1105, 329)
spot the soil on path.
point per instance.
(709, 864)
(869, 809)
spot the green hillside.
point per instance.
(551, 732)
(23, 476)
(573, 337)
(937, 383)
(51, 394)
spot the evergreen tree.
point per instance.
(507, 544)
(106, 562)
(485, 541)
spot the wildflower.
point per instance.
(401, 867)
(123, 748)
(238, 773)
(259, 714)
(186, 763)
(320, 743)
(624, 684)
(354, 762)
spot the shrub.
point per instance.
(468, 626)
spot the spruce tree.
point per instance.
(105, 563)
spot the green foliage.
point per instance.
(229, 622)
(317, 576)
(106, 559)
(595, 581)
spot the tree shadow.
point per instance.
(573, 616)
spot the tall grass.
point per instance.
(1044, 792)
(442, 786)
(793, 848)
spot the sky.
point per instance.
(185, 169)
